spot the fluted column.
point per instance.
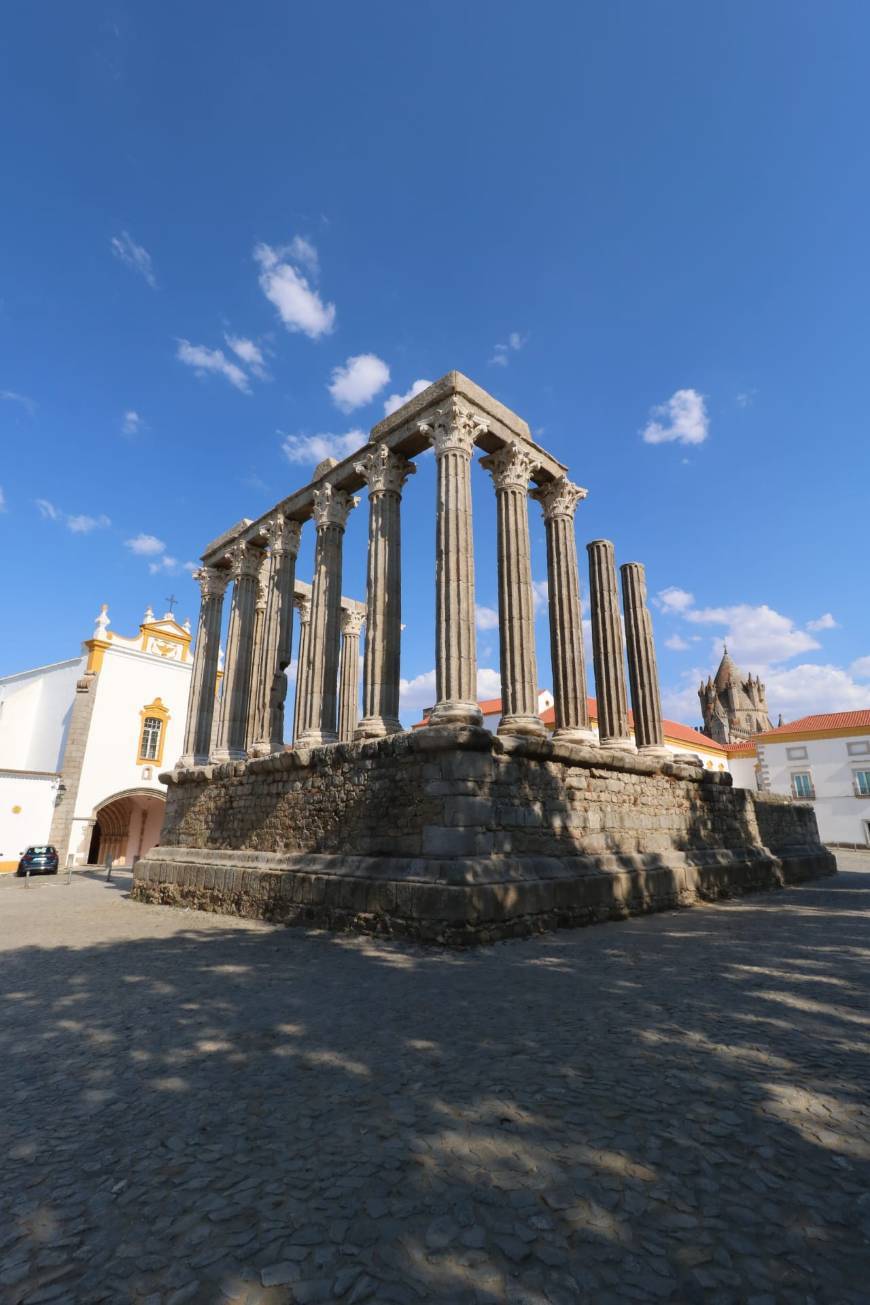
(511, 468)
(452, 431)
(303, 606)
(319, 707)
(643, 675)
(252, 729)
(348, 676)
(558, 500)
(233, 717)
(203, 678)
(385, 473)
(277, 639)
(607, 646)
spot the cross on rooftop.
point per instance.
(171, 601)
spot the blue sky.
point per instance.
(641, 226)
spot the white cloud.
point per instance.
(502, 352)
(203, 360)
(250, 354)
(299, 306)
(540, 596)
(756, 634)
(487, 618)
(163, 563)
(309, 450)
(303, 251)
(419, 693)
(11, 396)
(676, 644)
(134, 256)
(683, 417)
(47, 510)
(358, 381)
(806, 689)
(133, 423)
(145, 545)
(82, 524)
(673, 599)
(824, 622)
(745, 398)
(396, 401)
(861, 668)
(488, 683)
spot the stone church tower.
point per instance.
(733, 708)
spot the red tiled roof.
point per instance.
(832, 720)
(748, 745)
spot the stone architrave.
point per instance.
(245, 562)
(348, 676)
(511, 468)
(607, 647)
(319, 707)
(643, 675)
(452, 431)
(558, 499)
(277, 638)
(303, 606)
(385, 473)
(203, 678)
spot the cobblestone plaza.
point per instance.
(204, 1109)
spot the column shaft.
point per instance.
(511, 468)
(304, 606)
(348, 677)
(452, 432)
(203, 677)
(233, 716)
(607, 646)
(559, 499)
(252, 729)
(642, 671)
(385, 473)
(331, 507)
(277, 639)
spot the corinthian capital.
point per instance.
(303, 607)
(245, 561)
(511, 467)
(212, 581)
(283, 536)
(453, 428)
(352, 621)
(332, 506)
(384, 471)
(559, 498)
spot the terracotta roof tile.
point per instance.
(832, 720)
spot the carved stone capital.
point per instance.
(332, 506)
(352, 622)
(245, 561)
(511, 467)
(283, 536)
(212, 581)
(453, 428)
(559, 498)
(303, 607)
(384, 471)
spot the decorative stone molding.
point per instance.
(453, 428)
(332, 506)
(511, 467)
(352, 622)
(245, 561)
(303, 607)
(283, 536)
(559, 498)
(384, 472)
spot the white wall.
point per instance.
(743, 771)
(35, 795)
(840, 814)
(35, 709)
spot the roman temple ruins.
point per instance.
(447, 833)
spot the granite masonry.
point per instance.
(446, 834)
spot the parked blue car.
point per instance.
(38, 861)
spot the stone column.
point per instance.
(385, 473)
(319, 707)
(558, 499)
(203, 676)
(252, 729)
(642, 672)
(303, 606)
(277, 638)
(348, 676)
(452, 431)
(511, 468)
(233, 716)
(607, 647)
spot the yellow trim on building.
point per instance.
(803, 736)
(8, 867)
(96, 652)
(154, 630)
(158, 711)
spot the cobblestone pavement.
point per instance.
(197, 1109)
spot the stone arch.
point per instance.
(126, 825)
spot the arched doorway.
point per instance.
(126, 826)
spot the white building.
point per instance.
(83, 741)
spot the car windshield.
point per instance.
(39, 851)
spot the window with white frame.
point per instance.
(150, 742)
(862, 782)
(802, 784)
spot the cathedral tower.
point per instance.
(733, 708)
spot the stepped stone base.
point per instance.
(456, 836)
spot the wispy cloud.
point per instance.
(149, 546)
(134, 256)
(674, 599)
(745, 399)
(358, 381)
(487, 617)
(757, 633)
(204, 360)
(396, 401)
(418, 693)
(861, 668)
(312, 449)
(824, 622)
(502, 352)
(676, 644)
(297, 302)
(80, 523)
(133, 423)
(145, 545)
(250, 353)
(540, 596)
(2, 500)
(682, 418)
(12, 396)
